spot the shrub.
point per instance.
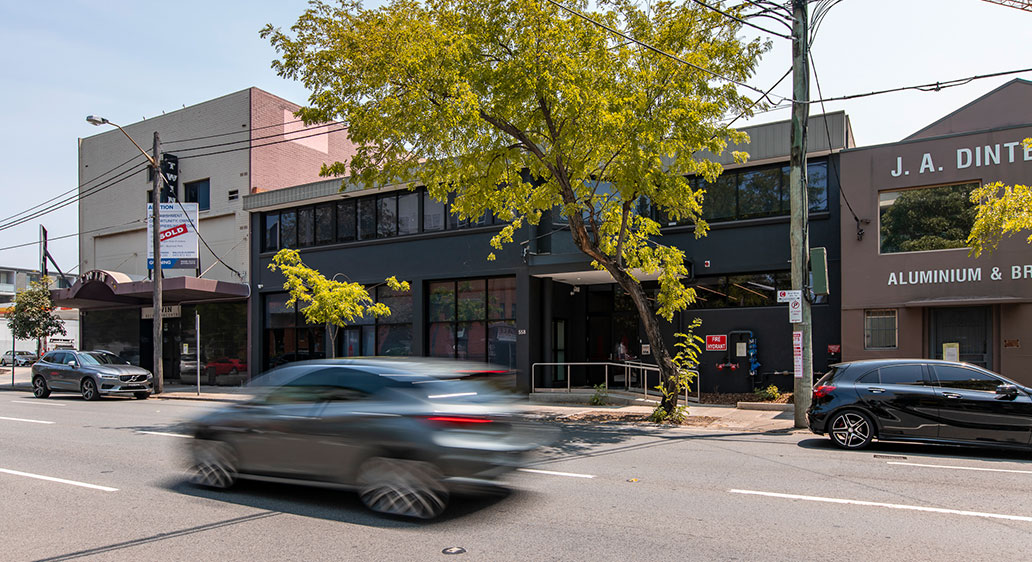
(601, 396)
(770, 393)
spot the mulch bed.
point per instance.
(625, 417)
(733, 398)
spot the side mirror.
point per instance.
(1007, 391)
(73, 364)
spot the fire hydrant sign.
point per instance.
(177, 235)
(795, 305)
(797, 353)
(716, 343)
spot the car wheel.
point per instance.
(402, 487)
(142, 395)
(40, 388)
(851, 430)
(89, 389)
(214, 464)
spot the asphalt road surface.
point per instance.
(105, 481)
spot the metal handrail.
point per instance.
(644, 367)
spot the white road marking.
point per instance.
(553, 473)
(24, 420)
(962, 467)
(59, 480)
(168, 434)
(39, 402)
(888, 505)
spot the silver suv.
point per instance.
(18, 358)
(92, 373)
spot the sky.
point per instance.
(126, 61)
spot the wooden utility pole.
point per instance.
(158, 380)
(800, 237)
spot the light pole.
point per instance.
(159, 382)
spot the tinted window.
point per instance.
(324, 223)
(386, 216)
(49, 358)
(270, 231)
(963, 378)
(305, 226)
(346, 221)
(902, 374)
(433, 213)
(288, 229)
(366, 218)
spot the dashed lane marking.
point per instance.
(886, 505)
(962, 467)
(58, 480)
(554, 473)
(39, 402)
(25, 420)
(166, 434)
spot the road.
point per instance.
(104, 481)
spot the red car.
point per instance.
(228, 366)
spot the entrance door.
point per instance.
(170, 351)
(967, 326)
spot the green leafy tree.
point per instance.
(523, 107)
(1002, 210)
(33, 314)
(328, 301)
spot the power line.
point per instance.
(742, 21)
(277, 135)
(929, 87)
(654, 49)
(53, 238)
(252, 129)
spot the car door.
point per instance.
(902, 399)
(58, 372)
(971, 411)
(274, 434)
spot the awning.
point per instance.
(106, 289)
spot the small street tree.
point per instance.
(1002, 210)
(33, 314)
(327, 301)
(524, 107)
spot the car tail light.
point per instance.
(822, 391)
(459, 421)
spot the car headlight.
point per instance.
(108, 376)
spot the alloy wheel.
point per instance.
(402, 487)
(39, 388)
(214, 464)
(851, 430)
(89, 389)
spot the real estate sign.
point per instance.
(178, 237)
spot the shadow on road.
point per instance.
(925, 450)
(341, 505)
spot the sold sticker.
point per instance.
(173, 232)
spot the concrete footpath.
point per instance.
(728, 418)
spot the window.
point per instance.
(758, 289)
(962, 378)
(6, 278)
(306, 226)
(759, 193)
(386, 216)
(433, 213)
(198, 192)
(233, 195)
(473, 319)
(394, 332)
(346, 224)
(880, 329)
(288, 229)
(366, 218)
(902, 374)
(928, 218)
(324, 226)
(408, 213)
(270, 232)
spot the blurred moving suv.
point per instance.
(920, 400)
(91, 373)
(405, 434)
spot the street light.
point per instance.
(159, 381)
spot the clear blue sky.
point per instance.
(64, 60)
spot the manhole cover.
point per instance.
(454, 550)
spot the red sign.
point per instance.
(173, 232)
(716, 343)
(834, 348)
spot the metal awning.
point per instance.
(106, 289)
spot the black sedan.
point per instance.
(404, 434)
(920, 400)
(90, 373)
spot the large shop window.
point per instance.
(757, 289)
(473, 319)
(880, 329)
(361, 218)
(754, 193)
(117, 331)
(288, 337)
(927, 218)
